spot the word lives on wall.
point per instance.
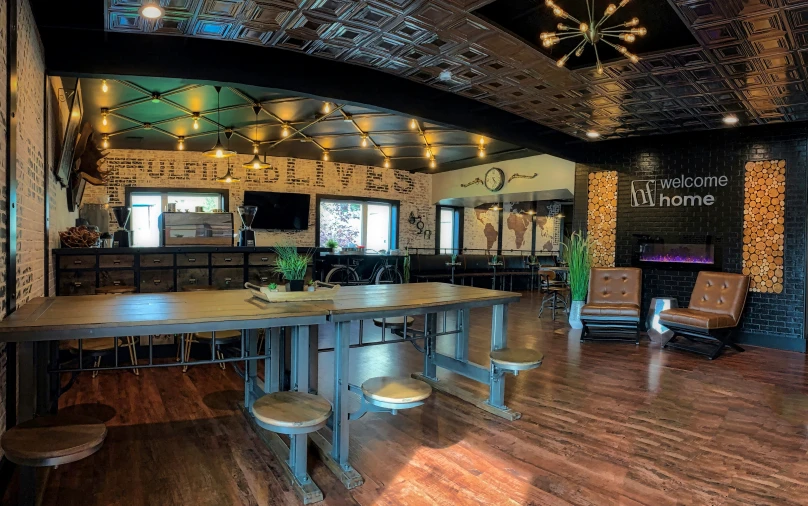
(682, 191)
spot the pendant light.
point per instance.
(218, 150)
(256, 162)
(228, 177)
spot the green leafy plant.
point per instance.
(406, 266)
(494, 259)
(578, 257)
(273, 286)
(533, 259)
(331, 244)
(291, 264)
(311, 282)
(454, 258)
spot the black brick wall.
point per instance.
(775, 320)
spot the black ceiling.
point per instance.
(527, 19)
(153, 113)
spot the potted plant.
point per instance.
(312, 286)
(273, 287)
(333, 245)
(454, 258)
(292, 266)
(578, 257)
(495, 260)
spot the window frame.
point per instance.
(457, 228)
(394, 216)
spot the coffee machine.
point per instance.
(246, 236)
(122, 238)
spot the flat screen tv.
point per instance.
(279, 211)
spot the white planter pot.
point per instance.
(575, 314)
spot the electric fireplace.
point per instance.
(693, 252)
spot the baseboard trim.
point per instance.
(770, 341)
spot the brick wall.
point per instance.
(775, 320)
(178, 169)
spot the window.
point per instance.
(147, 205)
(354, 222)
(450, 226)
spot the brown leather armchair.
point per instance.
(612, 309)
(714, 313)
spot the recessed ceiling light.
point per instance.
(731, 119)
(151, 10)
(592, 134)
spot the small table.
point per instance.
(656, 331)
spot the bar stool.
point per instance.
(223, 337)
(50, 441)
(515, 359)
(98, 348)
(394, 323)
(388, 394)
(296, 414)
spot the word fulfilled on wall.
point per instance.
(675, 192)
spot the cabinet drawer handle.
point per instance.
(157, 260)
(264, 279)
(192, 281)
(115, 262)
(227, 281)
(228, 259)
(116, 283)
(192, 259)
(264, 259)
(158, 281)
(76, 262)
(77, 284)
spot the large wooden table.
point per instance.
(87, 317)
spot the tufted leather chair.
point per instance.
(717, 302)
(614, 292)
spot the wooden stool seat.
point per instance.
(394, 322)
(53, 440)
(394, 390)
(109, 290)
(199, 288)
(292, 410)
(101, 344)
(221, 335)
(517, 358)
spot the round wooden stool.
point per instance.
(53, 440)
(516, 359)
(388, 390)
(99, 347)
(115, 290)
(222, 337)
(291, 412)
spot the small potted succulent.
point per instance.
(292, 266)
(332, 245)
(273, 287)
(454, 258)
(495, 261)
(533, 260)
(312, 285)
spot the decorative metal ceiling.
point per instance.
(159, 113)
(750, 59)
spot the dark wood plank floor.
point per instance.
(603, 424)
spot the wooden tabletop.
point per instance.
(376, 301)
(87, 316)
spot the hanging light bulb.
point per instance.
(413, 124)
(181, 143)
(432, 163)
(481, 149)
(256, 163)
(104, 112)
(255, 148)
(285, 131)
(106, 141)
(326, 107)
(218, 150)
(104, 86)
(364, 140)
(427, 152)
(325, 155)
(386, 162)
(196, 121)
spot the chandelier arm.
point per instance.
(588, 12)
(607, 16)
(597, 58)
(569, 36)
(617, 35)
(615, 31)
(576, 49)
(620, 25)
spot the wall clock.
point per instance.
(494, 179)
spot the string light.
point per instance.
(413, 124)
(325, 155)
(326, 107)
(428, 153)
(255, 148)
(104, 112)
(104, 86)
(432, 163)
(386, 163)
(285, 131)
(196, 120)
(106, 141)
(364, 140)
(181, 143)
(481, 149)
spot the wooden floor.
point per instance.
(603, 424)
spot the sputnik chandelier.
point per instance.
(592, 32)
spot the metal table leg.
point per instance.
(499, 340)
(250, 368)
(335, 453)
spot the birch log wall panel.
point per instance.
(602, 217)
(764, 225)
